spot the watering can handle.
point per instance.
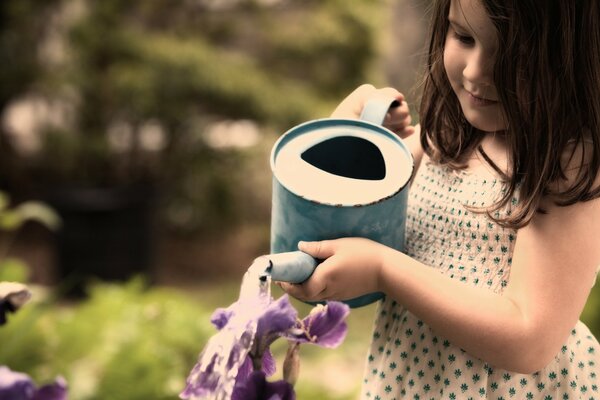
(375, 109)
(293, 266)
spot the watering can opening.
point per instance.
(347, 156)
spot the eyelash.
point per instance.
(464, 39)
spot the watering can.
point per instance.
(335, 178)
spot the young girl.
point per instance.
(503, 217)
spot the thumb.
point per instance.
(320, 250)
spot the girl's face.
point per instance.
(469, 55)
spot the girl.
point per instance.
(503, 216)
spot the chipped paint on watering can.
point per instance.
(335, 178)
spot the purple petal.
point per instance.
(237, 354)
(199, 383)
(269, 366)
(15, 385)
(53, 391)
(19, 386)
(324, 326)
(246, 369)
(256, 387)
(279, 316)
(221, 316)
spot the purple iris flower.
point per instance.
(271, 320)
(324, 326)
(256, 387)
(239, 354)
(19, 386)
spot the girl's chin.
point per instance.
(483, 121)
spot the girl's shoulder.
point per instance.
(577, 163)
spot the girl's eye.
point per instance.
(464, 39)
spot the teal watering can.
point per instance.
(335, 178)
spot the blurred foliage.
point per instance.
(12, 219)
(122, 343)
(591, 312)
(125, 342)
(176, 66)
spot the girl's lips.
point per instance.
(479, 101)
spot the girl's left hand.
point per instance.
(351, 268)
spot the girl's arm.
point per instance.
(554, 264)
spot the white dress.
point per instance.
(408, 360)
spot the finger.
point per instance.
(399, 111)
(311, 290)
(367, 91)
(397, 121)
(391, 92)
(319, 250)
(406, 132)
(399, 124)
(361, 93)
(292, 289)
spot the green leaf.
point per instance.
(10, 220)
(14, 270)
(40, 212)
(4, 201)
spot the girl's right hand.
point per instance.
(397, 119)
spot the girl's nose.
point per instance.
(478, 68)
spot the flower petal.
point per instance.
(278, 317)
(324, 326)
(256, 387)
(53, 391)
(19, 386)
(221, 316)
(269, 366)
(247, 327)
(200, 382)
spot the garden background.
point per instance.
(147, 126)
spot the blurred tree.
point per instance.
(146, 79)
(22, 26)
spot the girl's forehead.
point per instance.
(472, 15)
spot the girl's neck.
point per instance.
(491, 155)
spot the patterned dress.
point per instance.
(408, 360)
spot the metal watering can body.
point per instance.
(335, 178)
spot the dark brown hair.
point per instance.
(547, 75)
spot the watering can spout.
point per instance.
(293, 266)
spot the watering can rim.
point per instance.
(333, 122)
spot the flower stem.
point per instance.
(291, 364)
